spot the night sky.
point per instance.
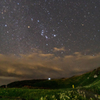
(48, 38)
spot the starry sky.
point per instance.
(48, 38)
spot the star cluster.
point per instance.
(26, 25)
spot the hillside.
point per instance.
(88, 78)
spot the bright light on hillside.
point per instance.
(49, 78)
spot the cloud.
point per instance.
(40, 65)
(59, 49)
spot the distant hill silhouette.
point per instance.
(79, 80)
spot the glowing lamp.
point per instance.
(49, 78)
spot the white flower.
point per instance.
(53, 96)
(91, 98)
(41, 98)
(96, 95)
(95, 76)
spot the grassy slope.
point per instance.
(36, 94)
(80, 80)
(89, 84)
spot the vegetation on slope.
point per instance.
(87, 87)
(89, 78)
